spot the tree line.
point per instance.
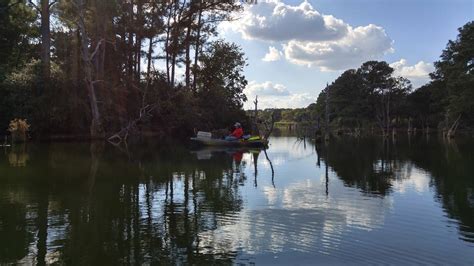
(92, 68)
(372, 98)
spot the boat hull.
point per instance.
(235, 143)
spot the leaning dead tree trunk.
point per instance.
(122, 136)
(96, 129)
(452, 129)
(144, 113)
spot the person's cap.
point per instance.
(237, 124)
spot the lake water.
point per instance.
(354, 201)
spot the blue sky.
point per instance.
(314, 42)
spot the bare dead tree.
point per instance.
(255, 116)
(96, 128)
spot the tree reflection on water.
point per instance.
(375, 166)
(80, 204)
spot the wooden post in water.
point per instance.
(256, 109)
(255, 118)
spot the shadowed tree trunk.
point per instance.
(327, 110)
(196, 50)
(45, 54)
(167, 40)
(45, 40)
(139, 39)
(175, 32)
(188, 58)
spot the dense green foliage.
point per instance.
(108, 63)
(222, 80)
(456, 70)
(16, 21)
(367, 96)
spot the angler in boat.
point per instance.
(237, 134)
(236, 138)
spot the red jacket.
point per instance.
(238, 133)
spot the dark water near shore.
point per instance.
(350, 201)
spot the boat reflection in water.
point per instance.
(346, 201)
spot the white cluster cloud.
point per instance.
(266, 88)
(311, 38)
(273, 55)
(418, 74)
(303, 220)
(359, 45)
(275, 96)
(277, 21)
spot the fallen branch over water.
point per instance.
(122, 135)
(454, 126)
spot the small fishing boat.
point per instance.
(205, 138)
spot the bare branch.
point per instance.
(52, 3)
(96, 49)
(35, 6)
(122, 135)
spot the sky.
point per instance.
(295, 47)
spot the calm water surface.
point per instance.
(348, 201)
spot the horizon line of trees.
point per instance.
(89, 67)
(371, 96)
